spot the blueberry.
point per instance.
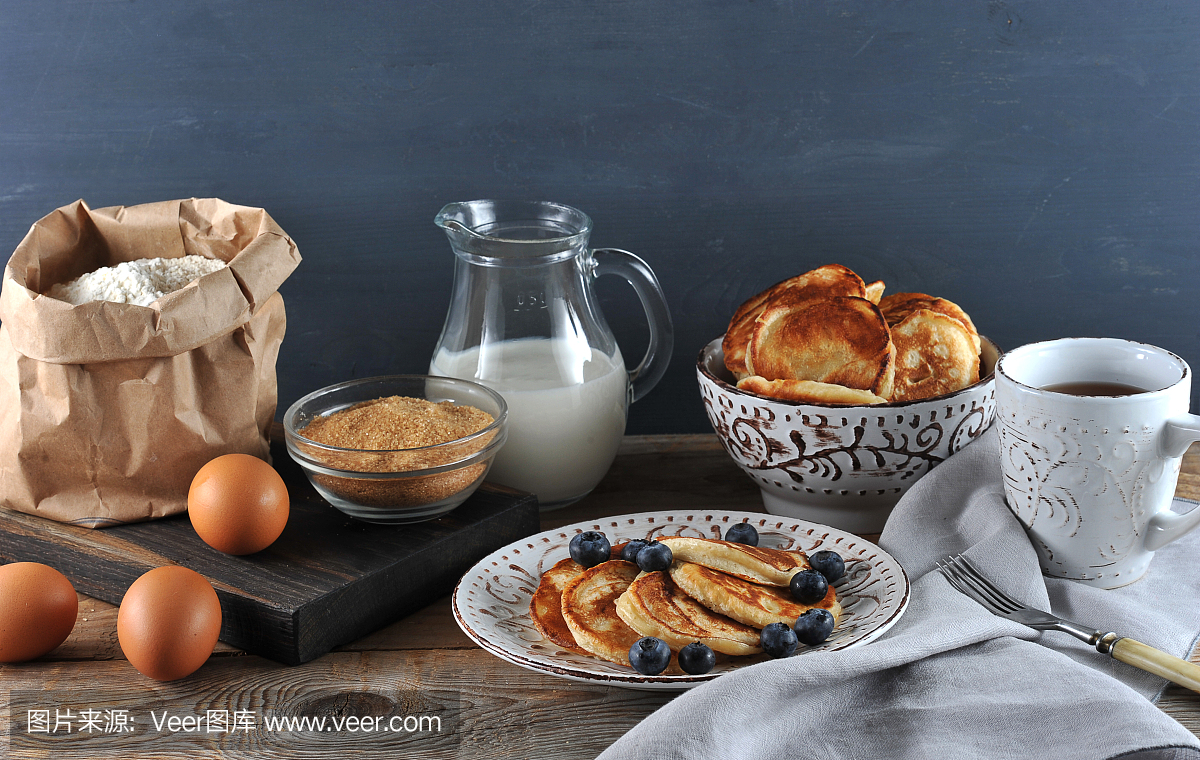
(814, 626)
(630, 550)
(697, 659)
(742, 533)
(809, 587)
(654, 556)
(590, 548)
(829, 564)
(778, 640)
(650, 656)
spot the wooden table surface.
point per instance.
(421, 665)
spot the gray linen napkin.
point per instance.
(951, 679)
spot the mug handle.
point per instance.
(662, 334)
(1177, 434)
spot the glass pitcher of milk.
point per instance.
(523, 320)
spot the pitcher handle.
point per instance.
(662, 335)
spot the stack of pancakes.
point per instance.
(826, 336)
(716, 592)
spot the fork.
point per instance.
(969, 581)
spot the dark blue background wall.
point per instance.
(1036, 162)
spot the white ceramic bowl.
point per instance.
(843, 466)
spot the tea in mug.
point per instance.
(1094, 388)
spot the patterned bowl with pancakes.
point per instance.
(841, 465)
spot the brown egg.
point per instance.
(169, 622)
(238, 504)
(38, 607)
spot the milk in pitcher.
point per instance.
(567, 406)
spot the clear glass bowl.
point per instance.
(401, 485)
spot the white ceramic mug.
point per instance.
(1092, 477)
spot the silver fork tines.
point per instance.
(963, 576)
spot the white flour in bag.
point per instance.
(140, 282)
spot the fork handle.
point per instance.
(1154, 661)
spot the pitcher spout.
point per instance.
(514, 230)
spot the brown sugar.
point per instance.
(398, 434)
(397, 422)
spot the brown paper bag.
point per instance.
(108, 410)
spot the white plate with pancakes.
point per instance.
(491, 602)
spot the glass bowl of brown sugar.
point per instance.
(397, 449)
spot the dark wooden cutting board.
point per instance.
(327, 580)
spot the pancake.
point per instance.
(749, 603)
(545, 608)
(822, 282)
(808, 391)
(934, 355)
(589, 608)
(755, 564)
(899, 305)
(740, 329)
(875, 292)
(842, 340)
(654, 606)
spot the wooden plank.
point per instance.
(1189, 475)
(664, 472)
(493, 708)
(431, 627)
(327, 580)
(487, 708)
